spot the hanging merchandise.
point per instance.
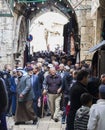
(67, 30)
(72, 46)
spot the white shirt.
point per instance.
(97, 116)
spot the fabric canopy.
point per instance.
(96, 47)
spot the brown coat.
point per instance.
(24, 112)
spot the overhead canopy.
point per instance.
(29, 8)
(96, 47)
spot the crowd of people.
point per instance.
(53, 85)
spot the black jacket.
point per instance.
(3, 96)
(67, 80)
(75, 94)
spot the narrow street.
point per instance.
(45, 123)
(52, 62)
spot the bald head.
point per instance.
(52, 71)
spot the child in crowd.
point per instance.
(82, 114)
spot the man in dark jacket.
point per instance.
(77, 89)
(67, 80)
(7, 76)
(36, 91)
(14, 81)
(3, 105)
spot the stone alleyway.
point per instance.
(43, 124)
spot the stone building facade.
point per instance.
(91, 17)
(13, 31)
(86, 24)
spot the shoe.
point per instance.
(13, 114)
(35, 121)
(63, 121)
(51, 116)
(9, 114)
(19, 123)
(48, 114)
(56, 120)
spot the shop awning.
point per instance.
(96, 47)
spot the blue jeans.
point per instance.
(65, 102)
(9, 102)
(13, 103)
(35, 102)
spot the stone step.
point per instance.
(43, 124)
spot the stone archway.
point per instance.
(50, 25)
(20, 39)
(56, 10)
(63, 8)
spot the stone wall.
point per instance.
(6, 40)
(88, 29)
(86, 24)
(9, 37)
(99, 23)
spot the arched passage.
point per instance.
(47, 31)
(20, 37)
(33, 10)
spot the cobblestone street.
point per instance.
(43, 124)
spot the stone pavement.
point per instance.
(45, 123)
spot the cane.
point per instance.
(44, 94)
(42, 106)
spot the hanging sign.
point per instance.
(30, 38)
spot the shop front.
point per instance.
(98, 59)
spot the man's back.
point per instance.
(75, 93)
(97, 116)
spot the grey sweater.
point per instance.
(81, 118)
